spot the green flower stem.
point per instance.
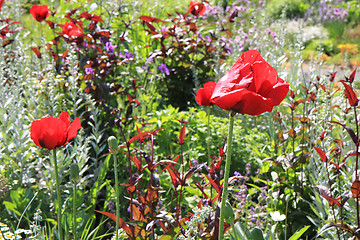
(286, 217)
(208, 134)
(58, 195)
(226, 174)
(74, 211)
(117, 196)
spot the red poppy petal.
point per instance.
(251, 57)
(60, 131)
(73, 129)
(201, 98)
(49, 134)
(238, 77)
(278, 92)
(64, 116)
(245, 102)
(35, 132)
(265, 77)
(210, 85)
(203, 95)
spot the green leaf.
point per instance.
(171, 234)
(257, 234)
(11, 207)
(299, 233)
(242, 231)
(332, 224)
(254, 186)
(271, 233)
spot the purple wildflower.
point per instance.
(110, 47)
(163, 68)
(129, 55)
(89, 70)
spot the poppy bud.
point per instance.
(113, 145)
(248, 198)
(74, 172)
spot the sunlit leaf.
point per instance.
(352, 76)
(122, 223)
(350, 94)
(355, 188)
(292, 133)
(322, 154)
(151, 19)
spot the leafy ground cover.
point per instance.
(104, 133)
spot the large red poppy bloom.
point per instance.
(196, 8)
(71, 29)
(203, 95)
(251, 86)
(51, 132)
(40, 12)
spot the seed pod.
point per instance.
(113, 145)
(74, 172)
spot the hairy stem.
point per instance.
(226, 174)
(74, 211)
(116, 197)
(57, 182)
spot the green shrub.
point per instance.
(327, 46)
(292, 8)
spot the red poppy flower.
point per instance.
(196, 8)
(40, 12)
(251, 86)
(1, 3)
(71, 29)
(203, 95)
(51, 132)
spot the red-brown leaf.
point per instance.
(332, 77)
(323, 87)
(355, 188)
(213, 183)
(322, 154)
(151, 19)
(131, 140)
(333, 201)
(152, 28)
(182, 135)
(352, 76)
(37, 52)
(50, 23)
(122, 223)
(349, 130)
(175, 176)
(350, 94)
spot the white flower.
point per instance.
(276, 216)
